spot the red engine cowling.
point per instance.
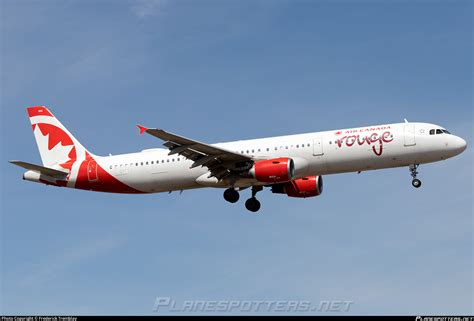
(302, 187)
(275, 170)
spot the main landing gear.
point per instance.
(252, 204)
(231, 195)
(413, 171)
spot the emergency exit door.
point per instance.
(318, 146)
(92, 170)
(409, 134)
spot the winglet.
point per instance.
(142, 129)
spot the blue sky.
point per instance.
(228, 70)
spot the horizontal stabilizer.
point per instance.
(42, 170)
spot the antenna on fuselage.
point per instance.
(406, 121)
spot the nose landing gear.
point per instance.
(252, 204)
(416, 183)
(413, 171)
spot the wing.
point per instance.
(221, 163)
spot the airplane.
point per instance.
(291, 165)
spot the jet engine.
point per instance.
(275, 170)
(302, 187)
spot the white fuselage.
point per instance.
(318, 153)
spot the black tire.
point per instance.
(252, 204)
(416, 183)
(231, 195)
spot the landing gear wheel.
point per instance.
(252, 204)
(231, 195)
(414, 171)
(416, 183)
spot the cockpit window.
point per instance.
(438, 131)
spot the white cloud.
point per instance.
(147, 8)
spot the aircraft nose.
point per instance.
(459, 144)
